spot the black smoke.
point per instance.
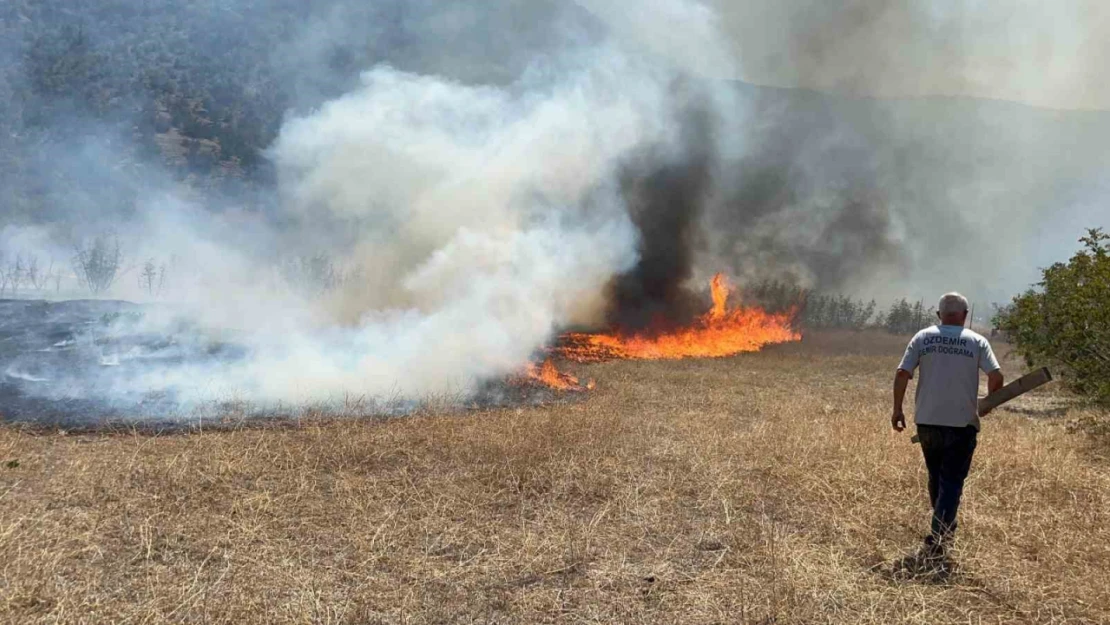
(806, 204)
(809, 201)
(666, 195)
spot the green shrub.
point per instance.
(1065, 320)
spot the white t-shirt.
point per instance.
(950, 358)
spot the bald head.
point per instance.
(952, 309)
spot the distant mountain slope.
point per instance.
(197, 91)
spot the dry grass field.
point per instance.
(765, 488)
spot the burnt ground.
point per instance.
(73, 364)
(70, 362)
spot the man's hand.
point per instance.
(901, 381)
(898, 420)
(995, 381)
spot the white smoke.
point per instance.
(1046, 54)
(483, 219)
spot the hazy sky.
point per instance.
(1049, 53)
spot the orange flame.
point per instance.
(550, 376)
(719, 332)
(718, 289)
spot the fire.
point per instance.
(548, 375)
(719, 332)
(718, 288)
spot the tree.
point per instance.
(899, 318)
(99, 263)
(152, 277)
(316, 274)
(36, 277)
(12, 275)
(867, 314)
(1065, 319)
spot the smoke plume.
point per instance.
(456, 227)
(410, 198)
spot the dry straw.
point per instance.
(763, 488)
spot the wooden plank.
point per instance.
(1012, 390)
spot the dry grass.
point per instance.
(764, 488)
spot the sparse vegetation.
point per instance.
(765, 488)
(315, 274)
(152, 277)
(38, 277)
(11, 275)
(24, 270)
(1066, 319)
(98, 263)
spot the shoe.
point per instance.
(930, 562)
(935, 546)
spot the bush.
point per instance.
(1065, 321)
(98, 264)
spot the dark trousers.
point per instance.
(948, 452)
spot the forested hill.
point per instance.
(190, 82)
(203, 86)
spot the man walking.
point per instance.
(946, 409)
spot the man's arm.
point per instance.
(989, 364)
(995, 381)
(902, 379)
(897, 417)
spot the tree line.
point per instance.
(824, 311)
(101, 262)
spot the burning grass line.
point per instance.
(720, 332)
